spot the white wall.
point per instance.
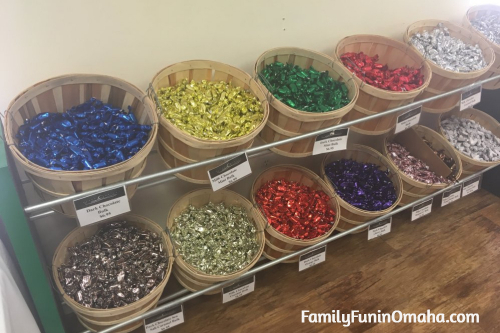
(133, 39)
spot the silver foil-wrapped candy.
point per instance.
(448, 52)
(117, 266)
(215, 239)
(488, 25)
(472, 139)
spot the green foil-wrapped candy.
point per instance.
(211, 110)
(304, 89)
(216, 239)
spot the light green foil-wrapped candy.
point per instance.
(211, 110)
(215, 239)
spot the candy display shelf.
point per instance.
(37, 232)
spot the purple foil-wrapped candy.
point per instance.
(362, 185)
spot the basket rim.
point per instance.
(441, 71)
(63, 174)
(384, 160)
(74, 304)
(325, 188)
(403, 47)
(337, 112)
(186, 137)
(255, 221)
(462, 156)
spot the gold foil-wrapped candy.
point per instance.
(211, 110)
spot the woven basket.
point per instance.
(346, 224)
(276, 240)
(469, 165)
(186, 274)
(411, 186)
(471, 14)
(58, 95)
(363, 154)
(373, 100)
(187, 147)
(445, 80)
(99, 319)
(286, 122)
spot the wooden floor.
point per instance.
(447, 262)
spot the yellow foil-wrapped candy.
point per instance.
(211, 110)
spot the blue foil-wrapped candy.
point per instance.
(362, 185)
(92, 135)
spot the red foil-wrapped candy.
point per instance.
(378, 75)
(295, 210)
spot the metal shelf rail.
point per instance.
(167, 175)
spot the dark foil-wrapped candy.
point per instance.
(92, 135)
(304, 89)
(117, 266)
(446, 160)
(362, 185)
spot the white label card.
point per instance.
(312, 258)
(229, 172)
(451, 195)
(421, 209)
(331, 141)
(472, 185)
(165, 320)
(470, 98)
(238, 289)
(408, 119)
(380, 228)
(102, 206)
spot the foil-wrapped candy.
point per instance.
(471, 139)
(117, 266)
(488, 25)
(413, 167)
(448, 52)
(450, 162)
(215, 239)
(211, 110)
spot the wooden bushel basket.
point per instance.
(286, 122)
(280, 243)
(444, 80)
(471, 14)
(363, 154)
(373, 100)
(413, 189)
(189, 276)
(99, 319)
(469, 165)
(60, 94)
(188, 148)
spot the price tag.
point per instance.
(102, 206)
(472, 185)
(164, 320)
(312, 258)
(408, 119)
(229, 172)
(238, 289)
(470, 98)
(332, 141)
(451, 195)
(380, 228)
(421, 209)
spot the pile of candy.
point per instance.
(362, 185)
(380, 76)
(92, 135)
(295, 210)
(413, 167)
(446, 160)
(304, 89)
(448, 52)
(488, 25)
(117, 266)
(211, 110)
(216, 239)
